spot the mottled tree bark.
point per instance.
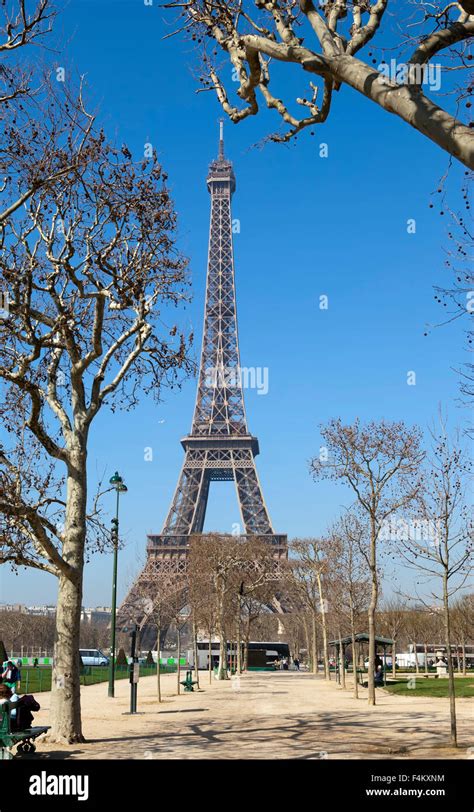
(65, 686)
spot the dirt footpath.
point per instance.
(261, 715)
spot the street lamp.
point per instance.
(118, 484)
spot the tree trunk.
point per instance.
(394, 657)
(447, 632)
(417, 664)
(158, 664)
(246, 649)
(354, 654)
(65, 686)
(463, 646)
(371, 613)
(239, 654)
(222, 670)
(354, 666)
(314, 644)
(342, 662)
(425, 648)
(239, 636)
(308, 642)
(196, 654)
(296, 645)
(210, 656)
(327, 672)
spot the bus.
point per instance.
(431, 652)
(262, 654)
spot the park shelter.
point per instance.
(360, 639)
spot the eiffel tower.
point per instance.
(219, 447)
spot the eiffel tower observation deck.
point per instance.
(219, 446)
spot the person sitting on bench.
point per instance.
(21, 707)
(22, 717)
(6, 698)
(378, 675)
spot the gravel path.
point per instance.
(262, 715)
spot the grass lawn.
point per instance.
(431, 687)
(36, 680)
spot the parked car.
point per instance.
(93, 656)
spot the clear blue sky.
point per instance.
(309, 226)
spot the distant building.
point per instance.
(13, 607)
(97, 614)
(44, 611)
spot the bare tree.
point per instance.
(93, 635)
(310, 569)
(380, 463)
(162, 589)
(456, 295)
(294, 629)
(27, 635)
(218, 558)
(89, 264)
(446, 552)
(180, 617)
(231, 567)
(349, 572)
(203, 604)
(326, 42)
(45, 126)
(256, 587)
(339, 623)
(251, 608)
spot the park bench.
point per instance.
(24, 739)
(363, 679)
(188, 682)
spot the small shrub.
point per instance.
(121, 658)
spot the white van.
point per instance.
(93, 656)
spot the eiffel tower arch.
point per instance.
(219, 447)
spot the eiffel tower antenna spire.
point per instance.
(221, 139)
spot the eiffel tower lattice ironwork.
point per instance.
(219, 446)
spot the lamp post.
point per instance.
(119, 486)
